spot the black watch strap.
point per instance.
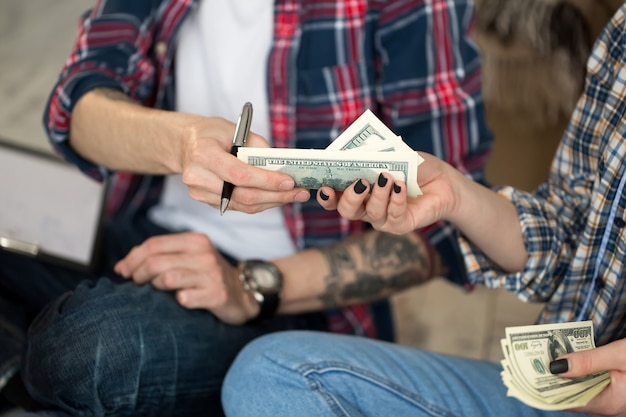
(269, 305)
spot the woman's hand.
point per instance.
(387, 206)
(612, 358)
(482, 216)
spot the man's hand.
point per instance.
(206, 163)
(189, 264)
(612, 357)
(109, 129)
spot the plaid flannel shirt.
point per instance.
(574, 225)
(412, 62)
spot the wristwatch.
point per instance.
(265, 282)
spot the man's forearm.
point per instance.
(109, 129)
(365, 268)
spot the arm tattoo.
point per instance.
(373, 266)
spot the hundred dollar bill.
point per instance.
(528, 351)
(368, 131)
(576, 394)
(313, 168)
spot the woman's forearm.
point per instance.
(490, 222)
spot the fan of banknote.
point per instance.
(528, 351)
(364, 150)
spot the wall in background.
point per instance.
(37, 37)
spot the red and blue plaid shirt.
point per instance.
(412, 62)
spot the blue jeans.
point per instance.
(104, 346)
(313, 374)
(124, 350)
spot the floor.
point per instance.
(36, 38)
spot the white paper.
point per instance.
(49, 204)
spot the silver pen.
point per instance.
(241, 135)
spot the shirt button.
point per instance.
(160, 49)
(619, 222)
(599, 283)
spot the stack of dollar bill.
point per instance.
(364, 150)
(528, 351)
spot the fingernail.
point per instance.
(323, 196)
(359, 187)
(382, 181)
(559, 366)
(397, 188)
(286, 185)
(302, 196)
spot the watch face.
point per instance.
(265, 278)
(264, 281)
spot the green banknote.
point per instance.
(363, 151)
(528, 351)
(369, 133)
(313, 168)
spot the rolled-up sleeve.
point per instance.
(111, 50)
(551, 221)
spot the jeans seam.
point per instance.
(329, 398)
(309, 369)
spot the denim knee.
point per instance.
(274, 375)
(131, 350)
(246, 384)
(101, 348)
(261, 366)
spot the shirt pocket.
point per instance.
(330, 98)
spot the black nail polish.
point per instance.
(359, 187)
(397, 188)
(382, 181)
(559, 366)
(323, 196)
